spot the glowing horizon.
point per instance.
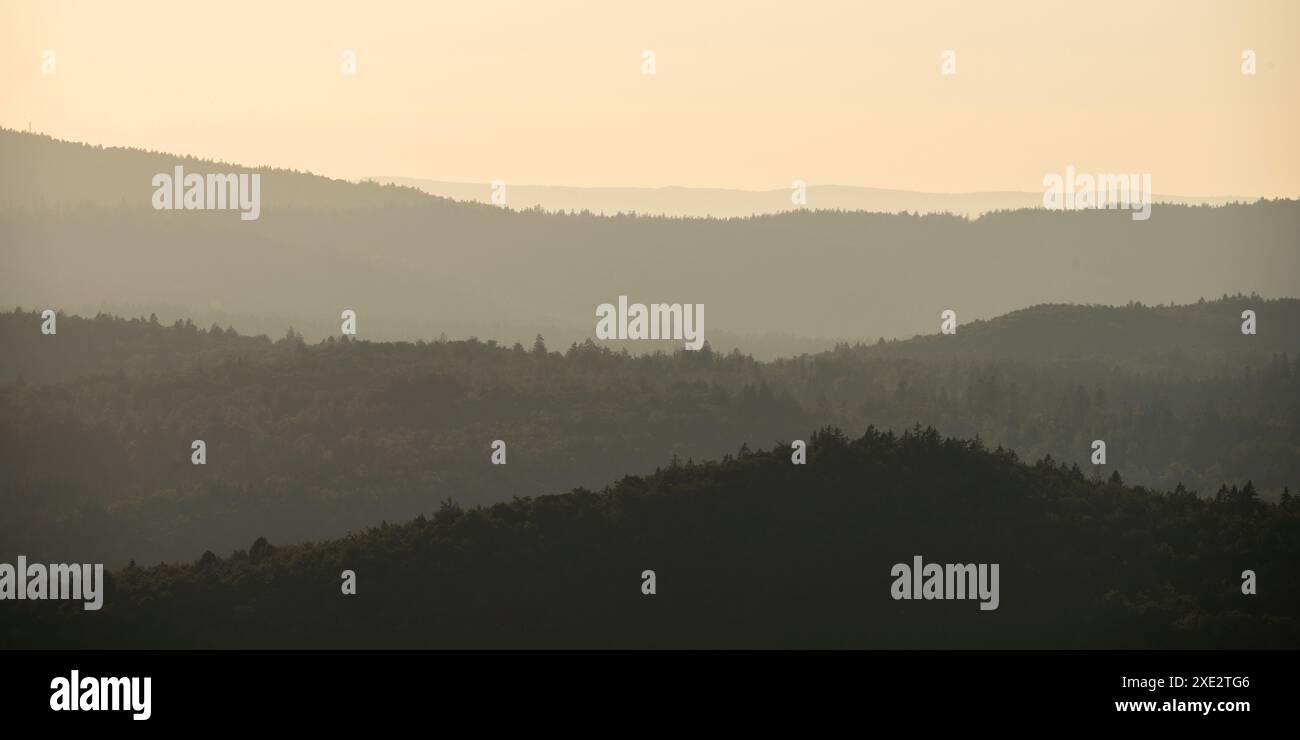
(745, 96)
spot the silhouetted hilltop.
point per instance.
(750, 551)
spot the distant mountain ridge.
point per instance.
(37, 168)
(77, 233)
(733, 203)
(42, 170)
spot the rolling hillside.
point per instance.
(314, 440)
(77, 232)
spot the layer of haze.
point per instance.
(748, 95)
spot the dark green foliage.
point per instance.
(751, 551)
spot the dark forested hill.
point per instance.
(306, 441)
(311, 441)
(77, 232)
(748, 551)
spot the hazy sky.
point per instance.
(747, 94)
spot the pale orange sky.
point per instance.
(748, 94)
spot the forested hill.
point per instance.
(749, 551)
(1203, 338)
(77, 231)
(1197, 340)
(306, 441)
